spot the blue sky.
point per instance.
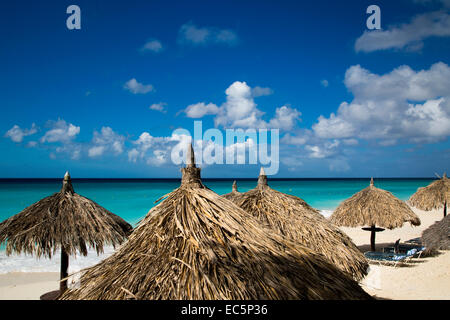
(104, 101)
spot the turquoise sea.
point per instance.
(132, 199)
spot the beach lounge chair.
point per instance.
(389, 258)
(410, 250)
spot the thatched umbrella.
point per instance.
(66, 221)
(234, 192)
(374, 207)
(197, 245)
(434, 196)
(293, 218)
(437, 236)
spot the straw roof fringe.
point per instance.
(64, 219)
(437, 236)
(374, 206)
(197, 245)
(433, 196)
(294, 219)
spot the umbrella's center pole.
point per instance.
(372, 238)
(445, 209)
(64, 270)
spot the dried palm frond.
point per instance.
(437, 236)
(66, 221)
(434, 196)
(374, 207)
(197, 245)
(234, 192)
(294, 219)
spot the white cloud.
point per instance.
(285, 118)
(201, 109)
(325, 150)
(135, 87)
(324, 83)
(158, 158)
(17, 134)
(191, 34)
(240, 111)
(409, 36)
(153, 46)
(260, 91)
(106, 140)
(155, 150)
(240, 150)
(159, 107)
(96, 151)
(133, 155)
(297, 140)
(60, 131)
(401, 105)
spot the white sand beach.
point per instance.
(429, 278)
(27, 285)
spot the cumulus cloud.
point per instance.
(240, 110)
(285, 118)
(135, 87)
(60, 131)
(325, 150)
(191, 34)
(154, 150)
(106, 141)
(17, 134)
(298, 140)
(402, 105)
(159, 107)
(201, 109)
(152, 46)
(409, 36)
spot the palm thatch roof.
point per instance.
(374, 207)
(197, 245)
(294, 219)
(64, 219)
(234, 192)
(437, 236)
(434, 196)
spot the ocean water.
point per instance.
(132, 199)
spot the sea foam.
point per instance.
(28, 263)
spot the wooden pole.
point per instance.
(372, 238)
(445, 209)
(64, 269)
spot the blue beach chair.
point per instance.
(390, 258)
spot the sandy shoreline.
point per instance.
(27, 285)
(427, 279)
